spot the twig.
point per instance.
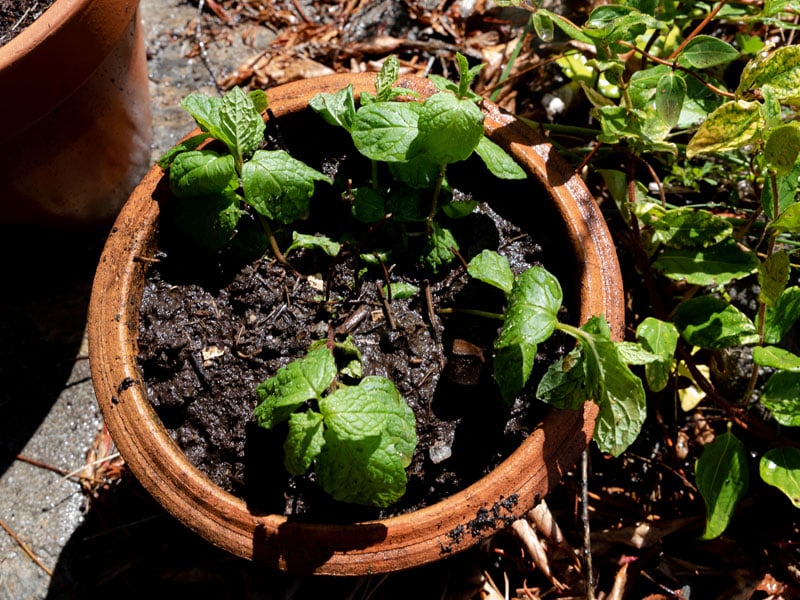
(26, 549)
(700, 26)
(588, 573)
(201, 44)
(386, 307)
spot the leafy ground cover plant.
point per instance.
(677, 108)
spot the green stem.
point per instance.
(512, 59)
(555, 127)
(437, 190)
(472, 311)
(587, 339)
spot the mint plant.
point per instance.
(359, 437)
(215, 189)
(662, 100)
(597, 368)
(417, 141)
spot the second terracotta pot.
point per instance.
(400, 542)
(76, 108)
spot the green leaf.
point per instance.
(449, 129)
(780, 317)
(184, 146)
(439, 248)
(259, 100)
(691, 228)
(732, 126)
(780, 70)
(773, 275)
(513, 365)
(337, 109)
(386, 78)
(498, 161)
(418, 172)
(543, 26)
(205, 110)
(240, 123)
(782, 148)
(788, 220)
(457, 209)
(712, 322)
(564, 383)
(493, 268)
(532, 312)
(670, 94)
(399, 435)
(371, 470)
(565, 25)
(209, 221)
(360, 471)
(660, 338)
(780, 467)
(279, 186)
(712, 266)
(202, 173)
(776, 358)
(353, 413)
(303, 379)
(385, 130)
(722, 478)
(399, 290)
(304, 441)
(704, 51)
(616, 390)
(787, 193)
(781, 395)
(369, 205)
(311, 242)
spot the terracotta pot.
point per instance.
(76, 107)
(411, 539)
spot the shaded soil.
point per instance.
(206, 341)
(15, 16)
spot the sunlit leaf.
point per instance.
(712, 322)
(732, 126)
(781, 395)
(722, 478)
(780, 467)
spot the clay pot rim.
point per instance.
(86, 31)
(318, 548)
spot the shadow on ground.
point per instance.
(128, 547)
(47, 278)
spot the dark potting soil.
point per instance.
(206, 340)
(16, 16)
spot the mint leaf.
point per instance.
(337, 109)
(722, 478)
(201, 173)
(498, 161)
(513, 364)
(492, 268)
(617, 391)
(400, 428)
(533, 306)
(209, 221)
(385, 130)
(360, 471)
(438, 249)
(241, 125)
(312, 242)
(301, 380)
(304, 441)
(660, 338)
(353, 413)
(449, 129)
(564, 383)
(279, 186)
(188, 144)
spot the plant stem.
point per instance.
(471, 311)
(273, 243)
(695, 32)
(437, 190)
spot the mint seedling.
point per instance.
(215, 189)
(597, 368)
(359, 438)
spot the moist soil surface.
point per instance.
(16, 16)
(209, 336)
